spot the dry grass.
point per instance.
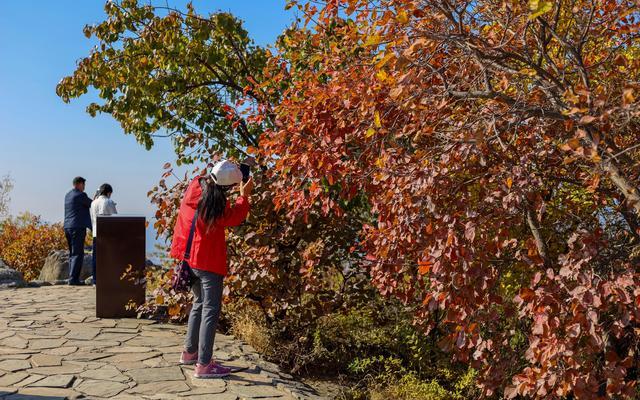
(248, 324)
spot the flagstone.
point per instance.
(104, 323)
(91, 344)
(56, 381)
(105, 373)
(61, 351)
(128, 349)
(98, 388)
(125, 366)
(131, 357)
(121, 330)
(14, 365)
(20, 324)
(11, 350)
(31, 379)
(83, 333)
(114, 337)
(210, 385)
(85, 356)
(14, 356)
(67, 352)
(126, 396)
(30, 393)
(251, 377)
(145, 375)
(65, 368)
(161, 387)
(255, 391)
(39, 344)
(45, 360)
(73, 317)
(5, 390)
(12, 378)
(157, 362)
(151, 341)
(15, 342)
(207, 396)
(128, 323)
(206, 389)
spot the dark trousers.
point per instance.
(75, 241)
(93, 259)
(203, 319)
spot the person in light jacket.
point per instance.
(208, 195)
(101, 205)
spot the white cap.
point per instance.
(226, 173)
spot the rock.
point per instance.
(38, 283)
(10, 277)
(56, 267)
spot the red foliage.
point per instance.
(494, 142)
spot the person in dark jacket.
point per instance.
(76, 221)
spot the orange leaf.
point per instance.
(627, 96)
(424, 267)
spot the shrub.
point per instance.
(163, 303)
(247, 322)
(26, 241)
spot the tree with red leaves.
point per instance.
(496, 145)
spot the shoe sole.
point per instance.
(210, 376)
(183, 362)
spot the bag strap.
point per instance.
(187, 251)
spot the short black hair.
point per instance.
(78, 179)
(105, 190)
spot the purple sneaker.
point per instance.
(212, 370)
(188, 358)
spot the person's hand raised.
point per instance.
(246, 188)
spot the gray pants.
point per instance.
(207, 301)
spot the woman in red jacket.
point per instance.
(208, 256)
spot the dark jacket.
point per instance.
(76, 210)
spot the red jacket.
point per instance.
(209, 247)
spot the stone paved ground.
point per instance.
(53, 347)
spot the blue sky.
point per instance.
(44, 143)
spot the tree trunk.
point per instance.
(540, 243)
(629, 191)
